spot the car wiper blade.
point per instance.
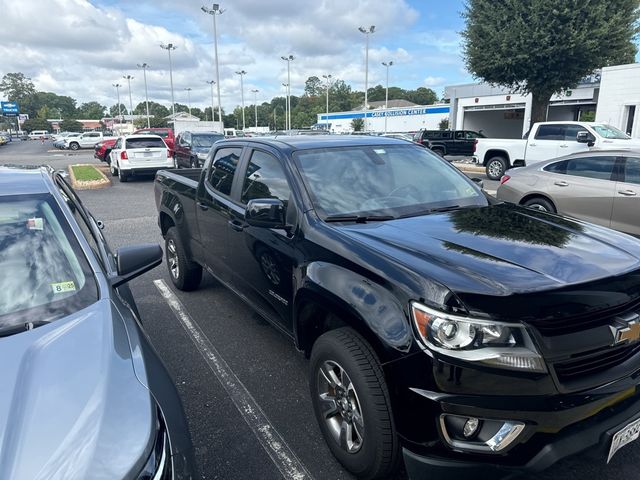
(358, 218)
(448, 208)
(22, 327)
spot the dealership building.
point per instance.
(611, 96)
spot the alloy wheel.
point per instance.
(495, 169)
(340, 406)
(172, 259)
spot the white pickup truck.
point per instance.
(86, 140)
(547, 140)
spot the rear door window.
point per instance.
(223, 168)
(550, 132)
(600, 168)
(145, 143)
(632, 170)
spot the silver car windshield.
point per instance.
(607, 131)
(390, 180)
(45, 275)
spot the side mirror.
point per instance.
(265, 213)
(586, 137)
(134, 260)
(478, 181)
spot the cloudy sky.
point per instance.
(80, 48)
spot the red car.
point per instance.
(103, 149)
(166, 134)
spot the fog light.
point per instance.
(470, 427)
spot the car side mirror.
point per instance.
(132, 261)
(265, 213)
(586, 137)
(478, 181)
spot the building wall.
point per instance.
(620, 89)
(397, 119)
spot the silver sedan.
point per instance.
(601, 187)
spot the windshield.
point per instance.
(205, 140)
(397, 180)
(607, 131)
(44, 273)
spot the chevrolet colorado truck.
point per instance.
(459, 334)
(548, 140)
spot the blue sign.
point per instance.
(387, 113)
(9, 108)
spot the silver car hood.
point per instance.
(71, 406)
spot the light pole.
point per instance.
(386, 94)
(328, 78)
(213, 11)
(128, 78)
(144, 67)
(255, 105)
(286, 106)
(288, 59)
(117, 85)
(168, 47)
(188, 89)
(242, 73)
(366, 31)
(213, 116)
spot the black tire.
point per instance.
(378, 452)
(193, 163)
(123, 176)
(188, 274)
(496, 167)
(113, 170)
(107, 156)
(438, 150)
(74, 146)
(175, 162)
(540, 203)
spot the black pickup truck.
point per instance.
(460, 334)
(449, 142)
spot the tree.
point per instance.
(36, 124)
(17, 87)
(114, 112)
(545, 47)
(154, 122)
(444, 124)
(313, 87)
(70, 126)
(357, 124)
(91, 110)
(422, 96)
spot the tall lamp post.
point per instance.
(367, 32)
(117, 85)
(168, 47)
(288, 59)
(255, 105)
(328, 79)
(213, 11)
(242, 73)
(286, 106)
(386, 94)
(213, 116)
(188, 89)
(144, 67)
(128, 78)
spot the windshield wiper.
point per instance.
(358, 218)
(22, 327)
(448, 208)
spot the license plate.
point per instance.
(627, 435)
(148, 154)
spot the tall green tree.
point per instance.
(91, 111)
(70, 126)
(36, 124)
(313, 86)
(114, 111)
(545, 47)
(17, 87)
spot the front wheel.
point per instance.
(185, 274)
(74, 146)
(495, 168)
(351, 403)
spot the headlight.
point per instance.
(490, 343)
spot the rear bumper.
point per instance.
(151, 170)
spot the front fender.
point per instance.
(370, 303)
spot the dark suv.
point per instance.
(449, 142)
(191, 148)
(462, 334)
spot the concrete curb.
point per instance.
(92, 185)
(470, 168)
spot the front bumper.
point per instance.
(543, 447)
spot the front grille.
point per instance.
(592, 364)
(562, 325)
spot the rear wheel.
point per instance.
(438, 150)
(185, 274)
(113, 169)
(495, 168)
(193, 163)
(74, 146)
(540, 203)
(351, 403)
(123, 175)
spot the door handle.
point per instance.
(628, 193)
(202, 206)
(564, 146)
(235, 225)
(532, 144)
(561, 183)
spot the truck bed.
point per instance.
(181, 182)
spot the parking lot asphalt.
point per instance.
(265, 364)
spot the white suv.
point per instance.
(139, 154)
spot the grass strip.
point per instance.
(86, 173)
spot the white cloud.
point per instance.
(434, 81)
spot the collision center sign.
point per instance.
(9, 108)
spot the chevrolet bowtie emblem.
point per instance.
(630, 333)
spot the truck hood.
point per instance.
(70, 403)
(624, 144)
(500, 250)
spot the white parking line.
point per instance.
(282, 456)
